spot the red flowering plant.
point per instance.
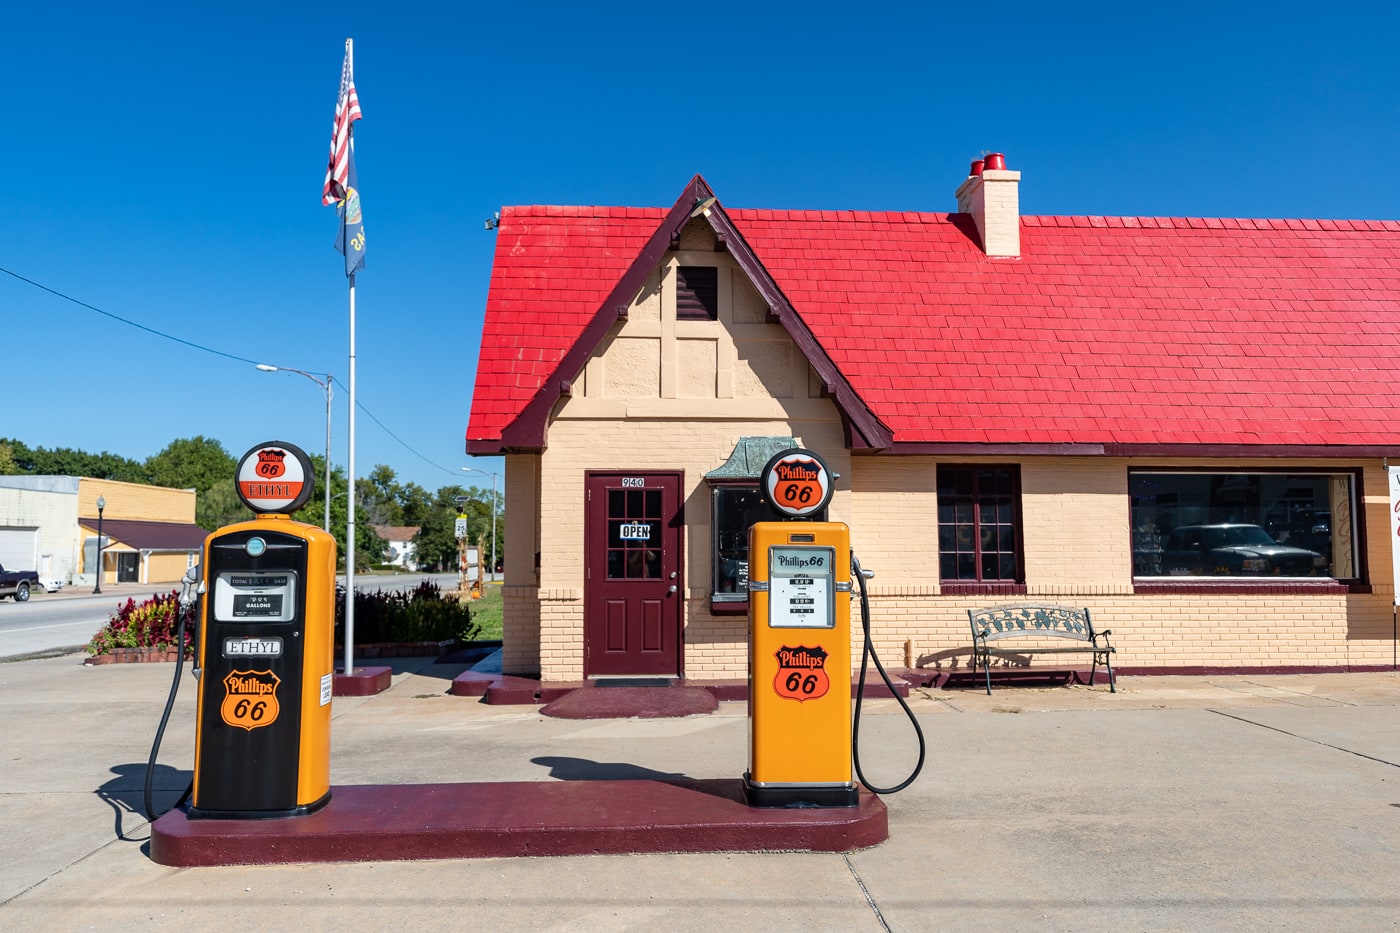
(149, 624)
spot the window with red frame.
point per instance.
(979, 523)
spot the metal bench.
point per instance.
(1032, 620)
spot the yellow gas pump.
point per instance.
(799, 643)
(266, 632)
(800, 665)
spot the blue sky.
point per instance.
(163, 163)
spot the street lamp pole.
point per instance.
(494, 511)
(101, 504)
(325, 385)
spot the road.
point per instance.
(56, 623)
(51, 623)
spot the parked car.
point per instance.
(17, 583)
(1236, 550)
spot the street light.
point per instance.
(325, 385)
(101, 504)
(493, 512)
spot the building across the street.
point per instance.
(399, 545)
(50, 524)
(1182, 424)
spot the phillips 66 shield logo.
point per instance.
(274, 477)
(801, 673)
(796, 482)
(250, 699)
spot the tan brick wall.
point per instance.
(1078, 552)
(520, 629)
(667, 395)
(1175, 631)
(166, 568)
(135, 501)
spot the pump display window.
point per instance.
(735, 508)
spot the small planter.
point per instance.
(133, 656)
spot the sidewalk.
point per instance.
(1179, 803)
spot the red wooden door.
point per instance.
(632, 606)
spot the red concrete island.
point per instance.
(362, 681)
(529, 818)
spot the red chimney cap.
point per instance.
(994, 161)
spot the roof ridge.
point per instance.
(1034, 220)
(1255, 223)
(583, 210)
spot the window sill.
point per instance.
(728, 607)
(1245, 587)
(969, 588)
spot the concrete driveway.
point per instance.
(1178, 803)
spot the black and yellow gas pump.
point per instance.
(802, 734)
(265, 651)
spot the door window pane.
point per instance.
(634, 534)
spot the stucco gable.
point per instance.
(515, 397)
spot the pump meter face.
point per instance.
(240, 596)
(801, 587)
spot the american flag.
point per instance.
(347, 111)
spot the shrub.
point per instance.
(420, 614)
(150, 624)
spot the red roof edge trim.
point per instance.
(1197, 451)
(528, 431)
(862, 428)
(917, 448)
(1189, 451)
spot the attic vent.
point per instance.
(697, 293)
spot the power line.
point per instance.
(117, 317)
(360, 405)
(196, 346)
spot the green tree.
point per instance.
(415, 504)
(436, 543)
(191, 463)
(65, 461)
(369, 547)
(8, 467)
(379, 496)
(219, 505)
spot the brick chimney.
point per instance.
(991, 195)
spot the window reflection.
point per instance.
(1242, 524)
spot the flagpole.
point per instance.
(350, 459)
(350, 502)
(340, 188)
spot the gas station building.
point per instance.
(1182, 424)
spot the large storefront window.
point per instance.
(1236, 524)
(979, 523)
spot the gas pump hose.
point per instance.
(151, 815)
(867, 653)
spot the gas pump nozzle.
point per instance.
(192, 588)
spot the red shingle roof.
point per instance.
(1114, 331)
(553, 267)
